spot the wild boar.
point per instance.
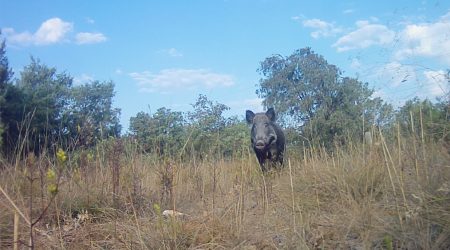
(267, 138)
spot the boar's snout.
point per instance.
(264, 142)
(260, 144)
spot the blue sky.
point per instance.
(166, 53)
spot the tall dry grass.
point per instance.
(393, 194)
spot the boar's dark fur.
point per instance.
(267, 138)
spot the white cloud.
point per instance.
(297, 18)
(17, 38)
(323, 28)
(427, 40)
(82, 79)
(436, 82)
(89, 20)
(364, 36)
(394, 74)
(355, 64)
(254, 104)
(431, 40)
(51, 31)
(89, 38)
(172, 52)
(176, 79)
(410, 46)
(380, 93)
(394, 82)
(399, 82)
(348, 11)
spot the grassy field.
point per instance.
(389, 195)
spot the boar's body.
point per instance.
(267, 138)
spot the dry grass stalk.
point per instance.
(293, 197)
(413, 133)
(16, 230)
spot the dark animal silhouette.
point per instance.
(267, 138)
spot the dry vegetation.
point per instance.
(393, 195)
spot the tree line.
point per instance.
(204, 132)
(41, 110)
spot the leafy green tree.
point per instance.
(140, 129)
(206, 125)
(427, 118)
(33, 107)
(12, 116)
(6, 75)
(311, 95)
(161, 133)
(170, 131)
(43, 110)
(431, 118)
(207, 132)
(235, 138)
(90, 116)
(208, 115)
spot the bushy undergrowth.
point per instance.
(393, 195)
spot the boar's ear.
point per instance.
(249, 116)
(271, 114)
